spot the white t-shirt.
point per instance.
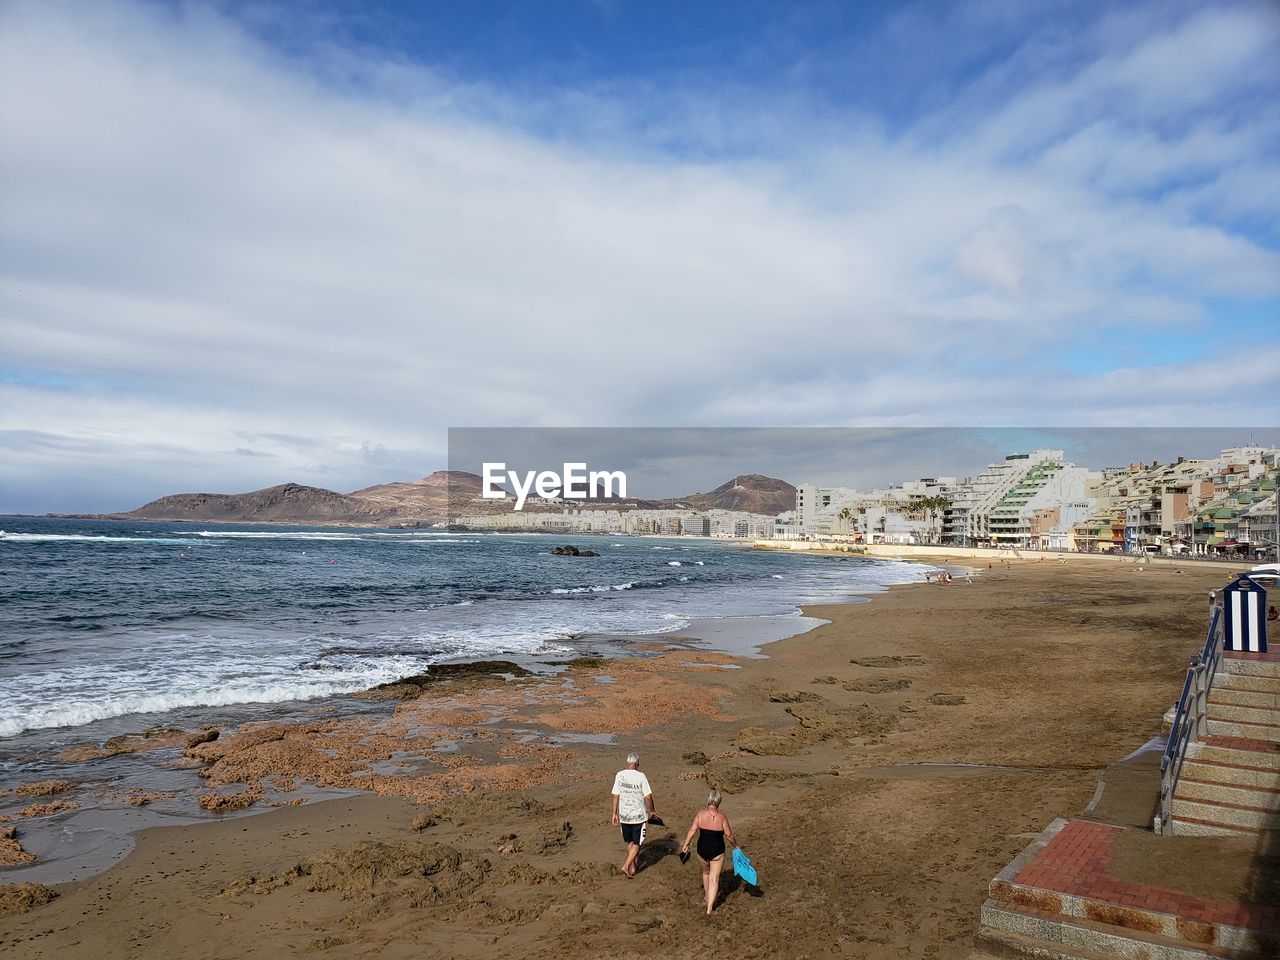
(631, 787)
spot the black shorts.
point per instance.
(633, 833)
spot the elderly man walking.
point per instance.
(632, 808)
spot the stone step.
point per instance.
(1244, 697)
(1237, 681)
(1227, 814)
(1235, 756)
(1190, 827)
(1246, 714)
(1045, 935)
(1251, 731)
(1206, 791)
(1231, 773)
(1250, 665)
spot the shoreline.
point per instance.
(835, 736)
(98, 837)
(939, 552)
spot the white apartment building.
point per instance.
(1041, 510)
(969, 522)
(910, 512)
(814, 517)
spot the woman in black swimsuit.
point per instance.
(713, 830)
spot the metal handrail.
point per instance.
(1190, 719)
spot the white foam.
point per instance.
(85, 693)
(272, 535)
(81, 538)
(602, 588)
(674, 563)
(402, 535)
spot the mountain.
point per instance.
(433, 499)
(286, 503)
(751, 493)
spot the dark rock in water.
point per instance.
(412, 686)
(568, 550)
(589, 662)
(202, 736)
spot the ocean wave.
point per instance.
(275, 535)
(601, 588)
(83, 538)
(674, 563)
(76, 712)
(45, 704)
(413, 536)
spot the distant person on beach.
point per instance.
(632, 808)
(714, 832)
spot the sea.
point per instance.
(110, 627)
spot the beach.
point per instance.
(879, 770)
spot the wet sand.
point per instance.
(879, 771)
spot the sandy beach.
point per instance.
(879, 770)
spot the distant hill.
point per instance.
(433, 499)
(751, 493)
(286, 503)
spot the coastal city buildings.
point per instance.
(715, 524)
(1217, 506)
(1040, 501)
(1000, 491)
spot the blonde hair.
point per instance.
(713, 799)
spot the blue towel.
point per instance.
(743, 868)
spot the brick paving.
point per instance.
(1271, 656)
(1077, 862)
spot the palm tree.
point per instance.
(844, 515)
(934, 506)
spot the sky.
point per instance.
(244, 243)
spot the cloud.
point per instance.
(209, 243)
